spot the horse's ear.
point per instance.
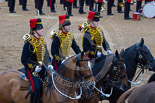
(117, 54)
(141, 42)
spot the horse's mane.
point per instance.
(98, 64)
(129, 55)
(66, 61)
(129, 52)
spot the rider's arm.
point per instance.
(105, 44)
(87, 46)
(75, 47)
(55, 48)
(26, 56)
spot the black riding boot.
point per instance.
(33, 98)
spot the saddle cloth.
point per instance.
(24, 82)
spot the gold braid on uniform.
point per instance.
(39, 47)
(97, 36)
(65, 44)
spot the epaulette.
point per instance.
(27, 37)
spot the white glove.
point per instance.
(50, 67)
(109, 52)
(104, 1)
(99, 54)
(37, 69)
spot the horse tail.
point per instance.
(125, 95)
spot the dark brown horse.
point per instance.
(112, 73)
(137, 55)
(63, 88)
(143, 94)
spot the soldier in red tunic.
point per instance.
(99, 4)
(109, 7)
(68, 4)
(127, 10)
(81, 10)
(52, 7)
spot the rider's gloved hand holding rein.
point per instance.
(109, 52)
(37, 69)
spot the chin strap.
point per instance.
(64, 29)
(38, 34)
(94, 24)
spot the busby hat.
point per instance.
(93, 16)
(64, 21)
(36, 24)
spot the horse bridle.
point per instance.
(140, 56)
(76, 81)
(116, 71)
(82, 78)
(110, 79)
(142, 66)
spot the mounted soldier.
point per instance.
(34, 55)
(94, 38)
(62, 42)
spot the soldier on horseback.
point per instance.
(94, 38)
(62, 42)
(34, 55)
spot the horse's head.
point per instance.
(83, 70)
(118, 70)
(144, 56)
